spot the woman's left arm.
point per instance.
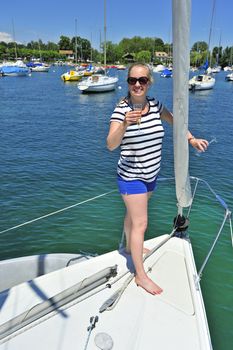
(200, 144)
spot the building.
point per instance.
(68, 53)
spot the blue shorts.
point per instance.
(135, 186)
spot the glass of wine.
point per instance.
(138, 107)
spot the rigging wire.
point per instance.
(57, 211)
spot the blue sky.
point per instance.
(49, 19)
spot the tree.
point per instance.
(143, 56)
(200, 46)
(64, 43)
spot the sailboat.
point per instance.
(96, 304)
(204, 81)
(14, 69)
(99, 82)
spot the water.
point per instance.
(53, 154)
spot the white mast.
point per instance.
(76, 55)
(105, 29)
(181, 63)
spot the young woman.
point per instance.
(136, 126)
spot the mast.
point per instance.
(181, 61)
(105, 30)
(76, 59)
(91, 48)
(39, 50)
(211, 24)
(13, 28)
(219, 45)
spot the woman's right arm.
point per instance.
(115, 135)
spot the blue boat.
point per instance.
(14, 69)
(166, 73)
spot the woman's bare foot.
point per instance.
(147, 284)
(146, 250)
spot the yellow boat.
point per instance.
(72, 75)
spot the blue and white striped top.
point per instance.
(140, 155)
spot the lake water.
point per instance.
(53, 155)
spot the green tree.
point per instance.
(64, 43)
(143, 56)
(200, 46)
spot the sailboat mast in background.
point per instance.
(105, 29)
(13, 29)
(76, 59)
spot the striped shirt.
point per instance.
(141, 149)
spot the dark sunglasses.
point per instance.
(141, 80)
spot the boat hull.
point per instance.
(14, 72)
(229, 77)
(40, 69)
(201, 82)
(98, 84)
(71, 76)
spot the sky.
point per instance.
(47, 20)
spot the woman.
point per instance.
(140, 134)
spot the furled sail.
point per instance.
(181, 62)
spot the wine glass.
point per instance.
(138, 107)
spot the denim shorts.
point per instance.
(135, 186)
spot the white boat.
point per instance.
(201, 82)
(159, 68)
(98, 83)
(215, 69)
(40, 67)
(229, 77)
(57, 301)
(227, 69)
(23, 269)
(96, 304)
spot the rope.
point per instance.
(57, 211)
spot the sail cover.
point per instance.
(181, 63)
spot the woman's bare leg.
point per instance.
(136, 205)
(127, 229)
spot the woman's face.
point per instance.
(139, 89)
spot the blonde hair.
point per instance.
(149, 76)
(144, 65)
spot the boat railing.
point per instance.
(196, 180)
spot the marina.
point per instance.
(54, 155)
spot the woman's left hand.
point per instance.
(200, 144)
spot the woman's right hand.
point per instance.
(132, 117)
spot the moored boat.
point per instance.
(39, 67)
(166, 73)
(72, 75)
(201, 82)
(14, 69)
(229, 77)
(98, 83)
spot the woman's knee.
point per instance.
(140, 225)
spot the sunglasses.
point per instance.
(141, 80)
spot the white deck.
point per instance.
(173, 320)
